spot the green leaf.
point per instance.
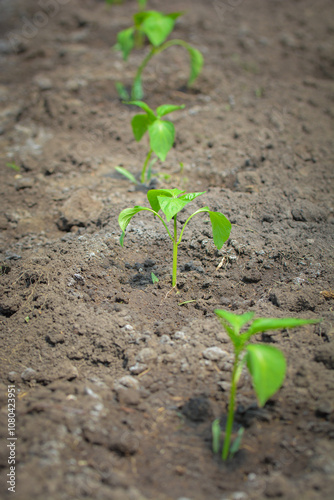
(126, 174)
(126, 215)
(13, 166)
(171, 206)
(162, 135)
(121, 91)
(142, 4)
(196, 64)
(216, 432)
(235, 320)
(263, 324)
(144, 107)
(221, 228)
(267, 367)
(139, 125)
(237, 442)
(137, 88)
(149, 168)
(140, 17)
(154, 278)
(165, 109)
(191, 196)
(157, 27)
(125, 42)
(153, 194)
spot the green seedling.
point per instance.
(13, 166)
(161, 135)
(154, 278)
(156, 26)
(171, 202)
(266, 365)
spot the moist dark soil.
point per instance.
(119, 379)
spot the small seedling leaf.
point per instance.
(139, 125)
(162, 135)
(149, 168)
(126, 215)
(144, 107)
(263, 324)
(267, 367)
(122, 92)
(165, 109)
(221, 228)
(235, 320)
(125, 42)
(153, 195)
(157, 27)
(237, 442)
(216, 432)
(155, 279)
(13, 166)
(137, 92)
(191, 196)
(196, 64)
(171, 206)
(126, 174)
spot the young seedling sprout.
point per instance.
(171, 202)
(161, 134)
(266, 365)
(156, 26)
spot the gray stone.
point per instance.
(145, 355)
(214, 353)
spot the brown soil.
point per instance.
(115, 394)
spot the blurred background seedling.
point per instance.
(156, 27)
(161, 136)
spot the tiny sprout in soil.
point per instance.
(156, 26)
(171, 202)
(266, 365)
(161, 134)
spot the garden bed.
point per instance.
(116, 385)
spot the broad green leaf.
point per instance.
(126, 174)
(171, 206)
(267, 367)
(236, 320)
(140, 17)
(162, 135)
(139, 125)
(191, 196)
(165, 109)
(153, 194)
(221, 228)
(263, 324)
(126, 215)
(144, 107)
(125, 42)
(121, 91)
(196, 64)
(216, 433)
(157, 27)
